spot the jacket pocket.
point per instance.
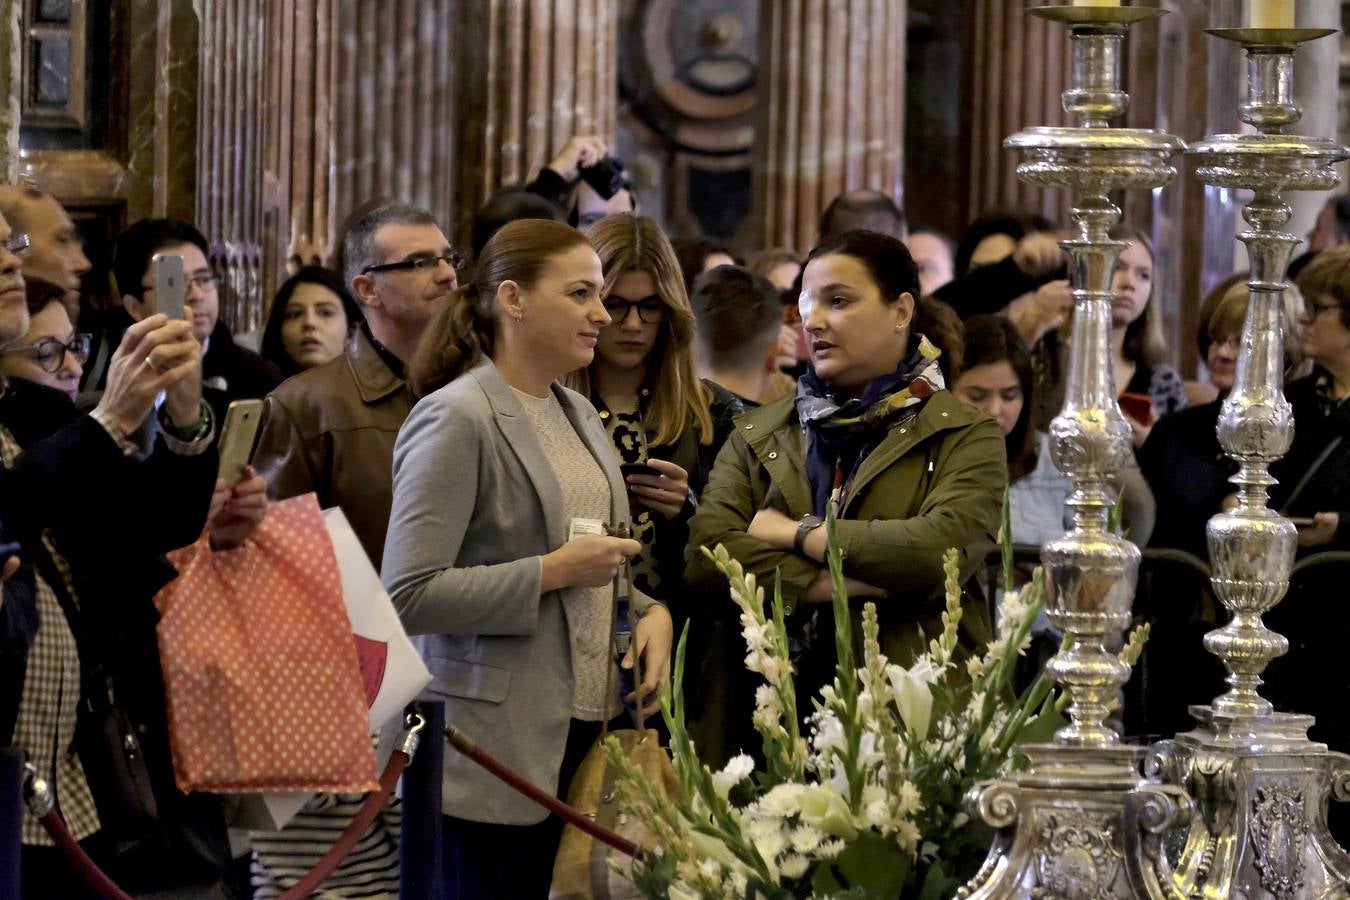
(475, 681)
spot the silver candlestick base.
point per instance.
(1260, 785)
(1081, 822)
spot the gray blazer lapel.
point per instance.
(593, 435)
(520, 436)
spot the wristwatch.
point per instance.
(805, 526)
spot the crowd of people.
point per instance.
(574, 399)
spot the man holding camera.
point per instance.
(587, 182)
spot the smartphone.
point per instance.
(1138, 407)
(1301, 521)
(238, 436)
(638, 469)
(170, 286)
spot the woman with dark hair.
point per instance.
(872, 433)
(311, 318)
(50, 353)
(503, 482)
(997, 379)
(699, 255)
(1182, 460)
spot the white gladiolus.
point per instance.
(913, 697)
(736, 770)
(711, 848)
(827, 810)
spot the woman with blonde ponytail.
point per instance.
(502, 477)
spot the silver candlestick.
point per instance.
(1260, 785)
(1081, 822)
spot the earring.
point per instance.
(518, 314)
(899, 328)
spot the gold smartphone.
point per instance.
(238, 436)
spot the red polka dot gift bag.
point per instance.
(263, 685)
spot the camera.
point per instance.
(606, 177)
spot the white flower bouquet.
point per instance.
(868, 803)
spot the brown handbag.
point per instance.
(581, 870)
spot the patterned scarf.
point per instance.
(839, 435)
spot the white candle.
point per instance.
(1096, 2)
(1272, 14)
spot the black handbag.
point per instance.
(105, 740)
(114, 765)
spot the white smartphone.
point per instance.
(238, 436)
(170, 286)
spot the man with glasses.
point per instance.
(56, 253)
(331, 428)
(229, 371)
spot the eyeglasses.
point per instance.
(17, 243)
(651, 310)
(50, 354)
(202, 281)
(1316, 309)
(454, 259)
(205, 281)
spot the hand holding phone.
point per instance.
(238, 436)
(170, 285)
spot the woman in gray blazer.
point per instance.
(496, 471)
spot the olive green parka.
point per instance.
(935, 481)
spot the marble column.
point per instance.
(534, 73)
(1317, 90)
(1018, 67)
(11, 103)
(830, 111)
(229, 171)
(308, 112)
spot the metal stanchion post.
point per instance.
(420, 843)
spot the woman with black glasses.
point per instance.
(50, 352)
(666, 425)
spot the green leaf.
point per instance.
(1041, 729)
(937, 884)
(1006, 544)
(872, 866)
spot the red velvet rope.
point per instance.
(465, 745)
(327, 864)
(355, 829)
(88, 869)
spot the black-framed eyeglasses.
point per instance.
(204, 281)
(1316, 309)
(651, 310)
(17, 243)
(454, 259)
(50, 354)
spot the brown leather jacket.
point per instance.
(331, 430)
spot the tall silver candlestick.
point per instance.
(1081, 822)
(1260, 785)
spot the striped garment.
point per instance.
(282, 858)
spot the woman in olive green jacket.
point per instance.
(909, 469)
